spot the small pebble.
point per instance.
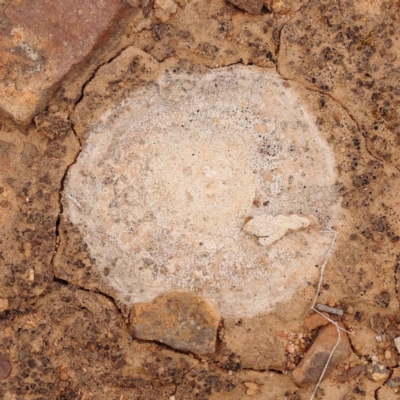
(350, 310)
(31, 275)
(388, 354)
(54, 108)
(290, 348)
(5, 367)
(63, 376)
(331, 303)
(252, 388)
(379, 338)
(291, 366)
(374, 358)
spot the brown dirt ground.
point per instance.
(66, 340)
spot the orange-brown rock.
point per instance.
(184, 321)
(40, 41)
(311, 366)
(314, 321)
(251, 6)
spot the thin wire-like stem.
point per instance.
(332, 321)
(328, 254)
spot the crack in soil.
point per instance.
(62, 183)
(396, 281)
(63, 282)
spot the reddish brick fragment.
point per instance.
(40, 41)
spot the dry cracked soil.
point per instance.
(199, 199)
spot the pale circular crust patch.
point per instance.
(175, 187)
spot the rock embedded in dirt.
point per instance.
(280, 7)
(311, 366)
(377, 372)
(315, 320)
(252, 388)
(164, 9)
(41, 41)
(184, 321)
(251, 6)
(5, 367)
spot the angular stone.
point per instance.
(311, 366)
(354, 371)
(184, 321)
(164, 9)
(280, 7)
(270, 229)
(314, 321)
(40, 41)
(252, 388)
(251, 6)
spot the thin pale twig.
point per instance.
(328, 254)
(332, 321)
